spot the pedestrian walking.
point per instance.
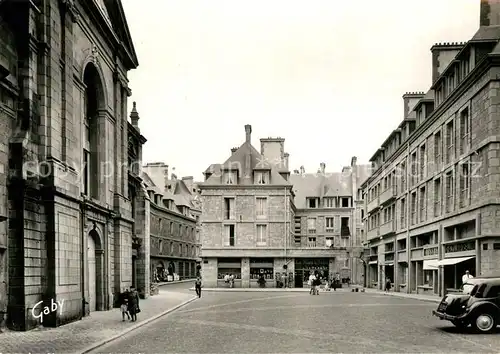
(231, 280)
(133, 304)
(310, 282)
(124, 304)
(197, 286)
(388, 285)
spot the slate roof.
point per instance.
(178, 192)
(237, 162)
(320, 185)
(487, 33)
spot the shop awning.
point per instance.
(431, 264)
(373, 262)
(453, 261)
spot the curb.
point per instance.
(437, 301)
(269, 290)
(175, 282)
(134, 327)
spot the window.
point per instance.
(261, 177)
(344, 242)
(464, 184)
(403, 177)
(494, 291)
(423, 205)
(437, 197)
(449, 191)
(311, 225)
(414, 171)
(171, 248)
(311, 203)
(329, 224)
(229, 209)
(229, 235)
(297, 240)
(329, 202)
(449, 142)
(413, 208)
(362, 214)
(423, 161)
(311, 242)
(261, 208)
(344, 227)
(328, 241)
(261, 235)
(464, 131)
(171, 228)
(403, 213)
(229, 178)
(437, 151)
(346, 263)
(345, 202)
(86, 172)
(160, 246)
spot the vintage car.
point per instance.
(479, 308)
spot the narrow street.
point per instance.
(224, 322)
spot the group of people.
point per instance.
(229, 279)
(129, 304)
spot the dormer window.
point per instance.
(230, 178)
(261, 177)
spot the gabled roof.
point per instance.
(121, 29)
(237, 161)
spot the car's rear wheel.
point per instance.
(460, 324)
(484, 322)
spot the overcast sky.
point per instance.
(326, 75)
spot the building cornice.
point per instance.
(482, 67)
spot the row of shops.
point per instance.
(165, 270)
(247, 271)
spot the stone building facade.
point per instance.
(66, 218)
(255, 218)
(174, 219)
(433, 200)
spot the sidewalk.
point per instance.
(429, 298)
(92, 331)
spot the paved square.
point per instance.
(300, 323)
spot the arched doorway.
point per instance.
(94, 269)
(91, 261)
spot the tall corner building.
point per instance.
(433, 200)
(258, 218)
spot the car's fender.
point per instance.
(485, 306)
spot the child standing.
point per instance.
(124, 307)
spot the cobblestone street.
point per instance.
(100, 326)
(265, 322)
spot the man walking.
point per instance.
(197, 286)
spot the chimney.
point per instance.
(302, 170)
(354, 161)
(134, 117)
(489, 14)
(233, 150)
(442, 55)
(410, 100)
(286, 156)
(322, 167)
(248, 133)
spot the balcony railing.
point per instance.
(373, 233)
(387, 228)
(373, 204)
(388, 195)
(402, 256)
(431, 251)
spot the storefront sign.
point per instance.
(460, 247)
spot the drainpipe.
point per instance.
(286, 214)
(408, 210)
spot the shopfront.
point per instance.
(262, 267)
(372, 281)
(229, 266)
(305, 266)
